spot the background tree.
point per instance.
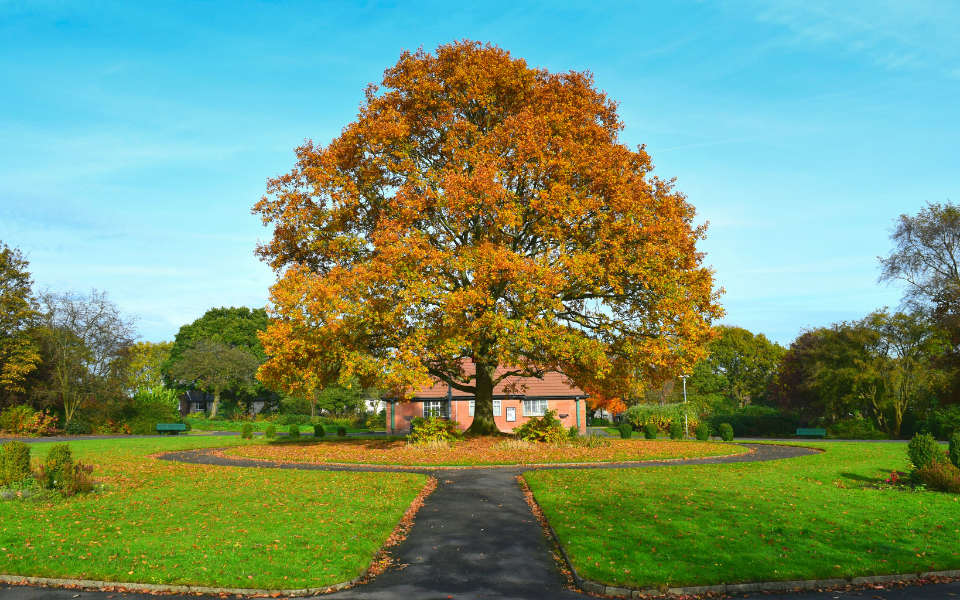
(236, 327)
(145, 365)
(926, 261)
(480, 213)
(882, 366)
(215, 367)
(19, 353)
(85, 340)
(740, 366)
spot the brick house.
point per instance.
(531, 398)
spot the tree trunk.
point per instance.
(216, 403)
(483, 423)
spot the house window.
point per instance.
(496, 407)
(534, 408)
(199, 407)
(435, 408)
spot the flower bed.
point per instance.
(475, 452)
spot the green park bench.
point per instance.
(818, 432)
(171, 427)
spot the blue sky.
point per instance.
(135, 137)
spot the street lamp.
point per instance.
(686, 427)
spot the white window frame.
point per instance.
(497, 408)
(530, 408)
(437, 408)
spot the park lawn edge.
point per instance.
(61, 572)
(854, 576)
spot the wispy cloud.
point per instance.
(891, 34)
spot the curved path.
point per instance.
(475, 535)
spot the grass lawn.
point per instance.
(801, 518)
(164, 522)
(473, 451)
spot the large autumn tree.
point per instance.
(481, 213)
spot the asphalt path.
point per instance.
(475, 537)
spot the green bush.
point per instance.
(318, 431)
(573, 432)
(547, 429)
(294, 431)
(923, 450)
(702, 432)
(595, 422)
(650, 431)
(270, 431)
(726, 432)
(76, 427)
(426, 431)
(143, 417)
(377, 420)
(14, 463)
(189, 426)
(625, 430)
(247, 431)
(757, 421)
(676, 430)
(341, 431)
(955, 450)
(61, 473)
(856, 429)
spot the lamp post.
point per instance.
(686, 427)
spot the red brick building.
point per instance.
(531, 397)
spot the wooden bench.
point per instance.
(171, 427)
(818, 432)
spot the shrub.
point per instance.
(726, 432)
(246, 432)
(188, 425)
(341, 431)
(625, 430)
(14, 463)
(547, 429)
(142, 417)
(595, 422)
(76, 427)
(377, 420)
(573, 432)
(61, 473)
(702, 432)
(676, 430)
(270, 431)
(955, 450)
(23, 420)
(318, 431)
(434, 429)
(756, 421)
(640, 415)
(856, 429)
(294, 431)
(940, 476)
(650, 431)
(590, 441)
(923, 451)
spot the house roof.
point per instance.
(553, 385)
